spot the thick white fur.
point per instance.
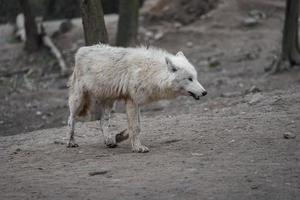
(136, 75)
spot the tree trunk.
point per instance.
(93, 22)
(94, 33)
(128, 23)
(32, 42)
(290, 51)
(290, 42)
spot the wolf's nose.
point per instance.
(204, 93)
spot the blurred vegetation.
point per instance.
(50, 9)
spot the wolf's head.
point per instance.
(185, 80)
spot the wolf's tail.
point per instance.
(84, 98)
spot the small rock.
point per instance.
(197, 154)
(213, 62)
(206, 16)
(44, 117)
(172, 141)
(58, 142)
(249, 179)
(28, 105)
(231, 141)
(38, 113)
(253, 89)
(254, 187)
(158, 36)
(1, 122)
(102, 155)
(189, 44)
(257, 14)
(149, 34)
(251, 56)
(250, 21)
(98, 173)
(17, 151)
(136, 194)
(177, 25)
(289, 135)
(255, 98)
(49, 114)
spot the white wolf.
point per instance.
(136, 75)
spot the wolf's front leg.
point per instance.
(70, 136)
(133, 115)
(109, 139)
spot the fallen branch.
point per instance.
(46, 40)
(57, 54)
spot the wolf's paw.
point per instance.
(110, 142)
(72, 145)
(140, 149)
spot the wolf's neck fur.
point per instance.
(161, 90)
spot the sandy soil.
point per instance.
(233, 150)
(228, 145)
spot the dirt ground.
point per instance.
(228, 145)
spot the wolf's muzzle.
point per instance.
(197, 97)
(194, 95)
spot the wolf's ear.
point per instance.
(179, 53)
(170, 65)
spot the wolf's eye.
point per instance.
(190, 79)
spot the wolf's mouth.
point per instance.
(194, 95)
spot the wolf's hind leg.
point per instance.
(77, 103)
(133, 115)
(109, 139)
(71, 124)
